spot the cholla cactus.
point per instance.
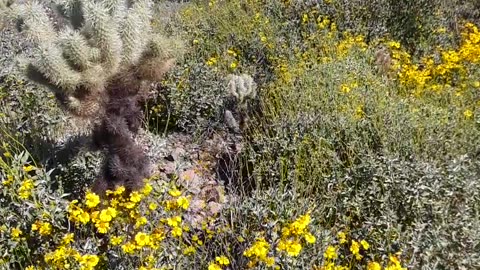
(100, 40)
(241, 88)
(99, 63)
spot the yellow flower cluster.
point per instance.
(177, 202)
(8, 181)
(444, 69)
(353, 256)
(350, 42)
(293, 234)
(219, 263)
(258, 252)
(43, 228)
(102, 218)
(331, 252)
(64, 257)
(394, 264)
(290, 242)
(25, 190)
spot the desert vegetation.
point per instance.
(240, 134)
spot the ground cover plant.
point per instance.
(344, 137)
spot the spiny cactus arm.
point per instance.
(51, 63)
(231, 121)
(85, 107)
(75, 48)
(247, 86)
(232, 86)
(117, 8)
(166, 48)
(37, 26)
(105, 34)
(153, 69)
(159, 57)
(135, 31)
(71, 10)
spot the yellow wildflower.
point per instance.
(212, 61)
(222, 260)
(9, 181)
(45, 228)
(177, 232)
(214, 266)
(174, 221)
(359, 113)
(25, 189)
(83, 217)
(365, 244)
(128, 248)
(140, 222)
(342, 237)
(114, 202)
(394, 260)
(129, 205)
(292, 247)
(305, 18)
(269, 261)
(232, 52)
(147, 189)
(94, 216)
(116, 240)
(152, 206)
(330, 253)
(394, 44)
(183, 202)
(174, 192)
(89, 261)
(189, 250)
(92, 200)
(374, 266)
(28, 168)
(36, 225)
(468, 114)
(106, 215)
(102, 227)
(297, 227)
(135, 197)
(259, 249)
(355, 249)
(67, 239)
(119, 191)
(16, 232)
(142, 239)
(310, 238)
(345, 88)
